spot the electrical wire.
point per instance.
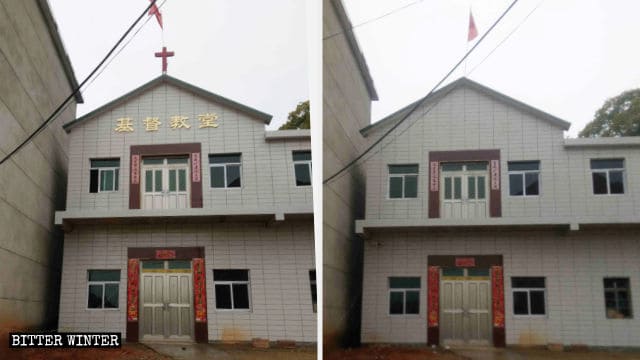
(64, 104)
(374, 19)
(421, 101)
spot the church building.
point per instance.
(484, 225)
(187, 220)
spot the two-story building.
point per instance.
(187, 220)
(484, 225)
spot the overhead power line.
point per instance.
(374, 19)
(421, 101)
(63, 105)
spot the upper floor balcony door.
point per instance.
(464, 192)
(165, 182)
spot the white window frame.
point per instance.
(100, 169)
(616, 290)
(528, 291)
(103, 283)
(230, 284)
(607, 172)
(404, 180)
(302, 162)
(404, 296)
(224, 166)
(523, 173)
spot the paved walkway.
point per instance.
(542, 354)
(230, 352)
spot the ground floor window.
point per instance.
(314, 291)
(232, 289)
(528, 295)
(404, 295)
(103, 288)
(617, 297)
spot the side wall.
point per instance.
(346, 109)
(574, 265)
(278, 258)
(33, 182)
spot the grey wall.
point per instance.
(346, 109)
(33, 182)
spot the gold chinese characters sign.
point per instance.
(176, 122)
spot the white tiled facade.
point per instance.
(566, 234)
(264, 226)
(278, 259)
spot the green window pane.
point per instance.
(116, 178)
(153, 161)
(531, 183)
(395, 187)
(477, 272)
(523, 165)
(411, 186)
(481, 187)
(180, 264)
(95, 297)
(471, 187)
(217, 177)
(303, 174)
(153, 265)
(447, 188)
(607, 164)
(224, 158)
(178, 160)
(476, 166)
(104, 275)
(403, 169)
(97, 163)
(148, 181)
(515, 185)
(396, 302)
(404, 282)
(616, 182)
(158, 180)
(106, 180)
(111, 295)
(301, 155)
(457, 187)
(412, 302)
(453, 272)
(233, 176)
(182, 180)
(451, 167)
(172, 180)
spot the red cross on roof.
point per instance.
(164, 55)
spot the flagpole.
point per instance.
(467, 46)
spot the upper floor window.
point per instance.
(528, 295)
(524, 178)
(314, 291)
(608, 176)
(302, 167)
(403, 181)
(104, 175)
(103, 289)
(225, 170)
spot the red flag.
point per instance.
(155, 11)
(473, 31)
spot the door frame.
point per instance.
(165, 171)
(199, 297)
(494, 263)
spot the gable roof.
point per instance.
(437, 95)
(347, 28)
(166, 79)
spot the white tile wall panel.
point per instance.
(278, 257)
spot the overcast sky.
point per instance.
(253, 52)
(567, 58)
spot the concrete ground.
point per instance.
(543, 354)
(231, 352)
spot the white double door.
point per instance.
(465, 312)
(165, 183)
(464, 190)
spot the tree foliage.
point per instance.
(619, 116)
(298, 118)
